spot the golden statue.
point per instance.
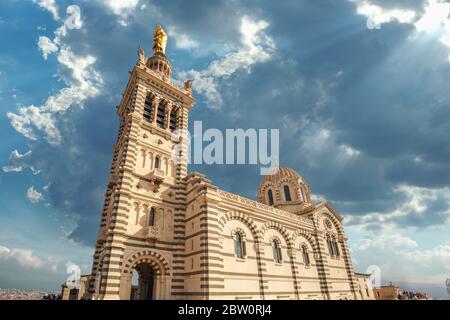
(159, 40)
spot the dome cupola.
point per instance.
(285, 189)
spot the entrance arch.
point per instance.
(144, 287)
(153, 277)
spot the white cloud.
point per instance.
(379, 15)
(12, 169)
(33, 195)
(435, 16)
(351, 152)
(49, 5)
(82, 80)
(19, 162)
(26, 258)
(416, 202)
(256, 47)
(72, 21)
(122, 8)
(46, 46)
(32, 116)
(316, 198)
(400, 258)
(439, 255)
(434, 20)
(182, 40)
(386, 241)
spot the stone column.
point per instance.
(155, 104)
(125, 290)
(157, 287)
(167, 118)
(151, 160)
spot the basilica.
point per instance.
(166, 233)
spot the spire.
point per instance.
(159, 40)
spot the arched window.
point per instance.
(333, 247)
(287, 193)
(270, 196)
(148, 112)
(173, 119)
(239, 246)
(151, 218)
(157, 162)
(305, 255)
(276, 251)
(330, 246)
(161, 116)
(336, 248)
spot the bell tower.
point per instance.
(144, 200)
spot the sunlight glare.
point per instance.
(436, 14)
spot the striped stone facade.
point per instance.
(184, 228)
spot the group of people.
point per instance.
(52, 296)
(409, 295)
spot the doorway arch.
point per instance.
(151, 280)
(143, 287)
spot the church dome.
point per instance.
(281, 173)
(284, 189)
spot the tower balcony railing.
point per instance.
(156, 173)
(172, 82)
(156, 178)
(152, 232)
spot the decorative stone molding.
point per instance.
(167, 80)
(306, 235)
(278, 227)
(323, 214)
(158, 262)
(242, 218)
(152, 232)
(240, 231)
(156, 178)
(234, 197)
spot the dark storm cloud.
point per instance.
(205, 20)
(419, 173)
(372, 89)
(375, 91)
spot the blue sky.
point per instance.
(358, 89)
